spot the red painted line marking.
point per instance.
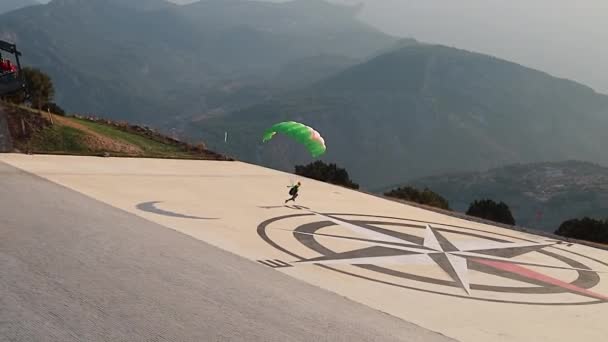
(526, 272)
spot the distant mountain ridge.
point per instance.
(150, 61)
(422, 110)
(540, 195)
(11, 5)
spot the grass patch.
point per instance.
(59, 139)
(146, 144)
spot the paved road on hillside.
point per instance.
(74, 269)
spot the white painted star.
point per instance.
(436, 250)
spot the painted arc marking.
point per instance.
(526, 263)
(477, 246)
(414, 248)
(362, 231)
(539, 276)
(415, 259)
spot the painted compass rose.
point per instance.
(437, 258)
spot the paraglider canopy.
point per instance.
(303, 134)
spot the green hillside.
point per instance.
(540, 195)
(33, 132)
(423, 110)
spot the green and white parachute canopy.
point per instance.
(303, 134)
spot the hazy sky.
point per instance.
(566, 38)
